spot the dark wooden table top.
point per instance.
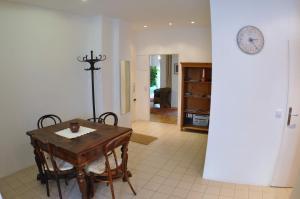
(80, 144)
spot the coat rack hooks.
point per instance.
(92, 61)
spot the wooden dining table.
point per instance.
(79, 151)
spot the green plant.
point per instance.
(153, 75)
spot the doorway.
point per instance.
(163, 88)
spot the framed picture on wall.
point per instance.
(176, 68)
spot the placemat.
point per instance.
(67, 133)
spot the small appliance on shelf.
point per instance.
(201, 120)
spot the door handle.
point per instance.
(290, 116)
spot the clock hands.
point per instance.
(251, 40)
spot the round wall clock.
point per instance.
(250, 40)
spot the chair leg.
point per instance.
(47, 185)
(130, 185)
(111, 184)
(91, 186)
(58, 186)
(66, 181)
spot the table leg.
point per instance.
(40, 176)
(124, 163)
(82, 182)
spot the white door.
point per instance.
(142, 104)
(287, 169)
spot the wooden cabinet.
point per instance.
(195, 96)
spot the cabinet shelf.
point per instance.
(197, 112)
(195, 128)
(197, 82)
(196, 96)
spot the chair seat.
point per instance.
(98, 166)
(61, 164)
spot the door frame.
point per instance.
(148, 85)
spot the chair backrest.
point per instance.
(46, 158)
(53, 118)
(122, 140)
(105, 117)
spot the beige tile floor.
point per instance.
(171, 167)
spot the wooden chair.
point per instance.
(42, 120)
(103, 118)
(107, 167)
(64, 169)
(53, 167)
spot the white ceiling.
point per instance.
(138, 12)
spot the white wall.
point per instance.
(244, 136)
(39, 72)
(174, 97)
(192, 44)
(117, 45)
(294, 19)
(296, 191)
(123, 50)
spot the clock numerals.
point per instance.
(250, 40)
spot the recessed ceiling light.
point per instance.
(170, 24)
(84, 0)
(145, 26)
(193, 22)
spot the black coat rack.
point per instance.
(92, 61)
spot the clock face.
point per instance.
(250, 40)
